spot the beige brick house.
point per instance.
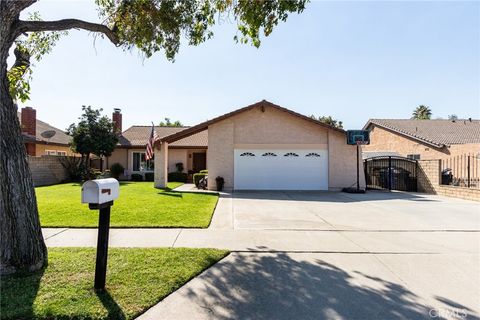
(131, 148)
(422, 139)
(265, 146)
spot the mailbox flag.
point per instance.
(151, 144)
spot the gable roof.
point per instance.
(137, 136)
(438, 133)
(60, 137)
(261, 104)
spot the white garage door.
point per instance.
(283, 169)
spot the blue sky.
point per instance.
(351, 60)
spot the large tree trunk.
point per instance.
(22, 245)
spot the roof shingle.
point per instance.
(437, 132)
(60, 137)
(137, 136)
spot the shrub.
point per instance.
(74, 167)
(116, 169)
(179, 166)
(105, 174)
(204, 171)
(177, 177)
(136, 177)
(149, 176)
(197, 177)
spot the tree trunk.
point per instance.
(22, 244)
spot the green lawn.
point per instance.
(139, 205)
(136, 280)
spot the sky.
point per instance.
(351, 60)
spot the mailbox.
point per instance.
(100, 191)
(99, 194)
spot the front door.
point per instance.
(199, 161)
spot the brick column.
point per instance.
(28, 123)
(428, 178)
(161, 165)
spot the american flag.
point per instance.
(151, 144)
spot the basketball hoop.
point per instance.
(361, 142)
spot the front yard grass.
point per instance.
(136, 280)
(139, 205)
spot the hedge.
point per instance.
(137, 177)
(149, 176)
(177, 177)
(197, 177)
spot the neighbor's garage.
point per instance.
(280, 169)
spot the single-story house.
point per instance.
(132, 144)
(423, 139)
(41, 138)
(267, 147)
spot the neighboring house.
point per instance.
(40, 137)
(265, 146)
(131, 147)
(423, 139)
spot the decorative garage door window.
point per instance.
(247, 154)
(290, 154)
(269, 154)
(312, 154)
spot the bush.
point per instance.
(204, 171)
(177, 177)
(179, 166)
(137, 177)
(74, 168)
(197, 177)
(116, 170)
(149, 176)
(105, 174)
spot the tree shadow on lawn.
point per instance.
(18, 293)
(277, 286)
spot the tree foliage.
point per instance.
(154, 25)
(168, 123)
(94, 134)
(452, 117)
(422, 113)
(329, 120)
(34, 45)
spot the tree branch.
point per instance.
(65, 24)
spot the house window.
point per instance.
(413, 156)
(312, 154)
(61, 153)
(247, 154)
(290, 154)
(50, 152)
(269, 154)
(140, 164)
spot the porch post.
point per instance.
(161, 165)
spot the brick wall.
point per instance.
(46, 170)
(429, 179)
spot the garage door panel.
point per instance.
(258, 169)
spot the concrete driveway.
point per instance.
(373, 211)
(322, 255)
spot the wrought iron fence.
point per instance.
(461, 171)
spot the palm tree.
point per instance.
(422, 113)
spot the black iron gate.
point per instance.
(391, 173)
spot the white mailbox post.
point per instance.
(99, 194)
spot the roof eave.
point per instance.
(204, 125)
